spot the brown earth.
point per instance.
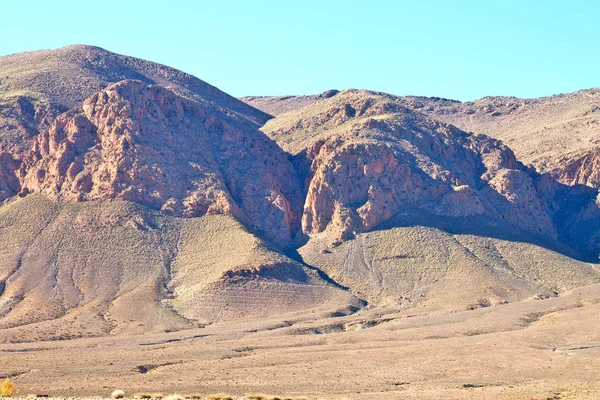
(37, 86)
(358, 245)
(147, 145)
(536, 349)
(276, 105)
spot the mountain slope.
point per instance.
(414, 264)
(156, 204)
(145, 144)
(542, 131)
(98, 268)
(277, 105)
(556, 134)
(68, 75)
(403, 209)
(37, 86)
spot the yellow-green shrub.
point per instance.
(7, 389)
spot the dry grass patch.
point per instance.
(219, 396)
(7, 388)
(271, 397)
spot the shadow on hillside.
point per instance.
(577, 224)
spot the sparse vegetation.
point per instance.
(271, 397)
(476, 332)
(242, 349)
(219, 396)
(7, 388)
(117, 394)
(533, 317)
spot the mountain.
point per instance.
(554, 137)
(141, 210)
(371, 158)
(137, 198)
(276, 105)
(400, 206)
(555, 134)
(147, 145)
(36, 86)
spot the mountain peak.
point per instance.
(68, 75)
(145, 144)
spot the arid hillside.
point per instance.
(276, 105)
(402, 208)
(139, 199)
(36, 86)
(556, 134)
(99, 268)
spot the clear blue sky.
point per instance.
(456, 49)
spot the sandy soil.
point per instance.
(536, 349)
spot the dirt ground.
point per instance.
(536, 349)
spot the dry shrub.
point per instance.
(219, 396)
(117, 394)
(174, 397)
(194, 396)
(142, 396)
(262, 397)
(7, 389)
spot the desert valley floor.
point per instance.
(535, 349)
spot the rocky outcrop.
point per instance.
(21, 119)
(9, 183)
(581, 168)
(147, 145)
(368, 158)
(372, 158)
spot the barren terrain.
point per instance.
(159, 235)
(535, 349)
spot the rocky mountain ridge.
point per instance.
(555, 134)
(37, 86)
(145, 144)
(162, 193)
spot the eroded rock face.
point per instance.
(147, 145)
(21, 119)
(372, 158)
(9, 183)
(581, 168)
